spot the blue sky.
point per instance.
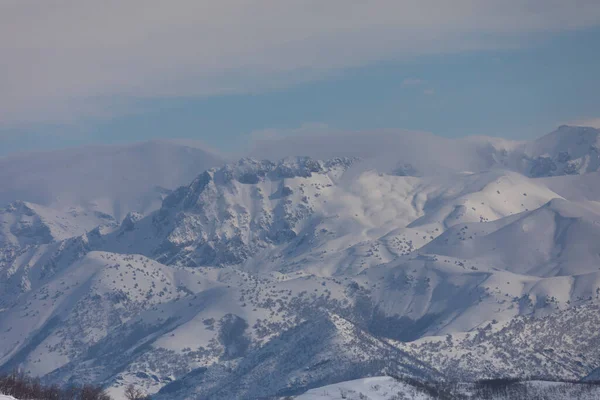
(514, 85)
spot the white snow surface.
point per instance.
(387, 388)
(266, 277)
(375, 388)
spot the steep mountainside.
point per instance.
(557, 239)
(562, 345)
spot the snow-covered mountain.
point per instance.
(439, 262)
(24, 224)
(569, 150)
(566, 151)
(227, 215)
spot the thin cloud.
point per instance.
(65, 59)
(428, 92)
(412, 82)
(589, 122)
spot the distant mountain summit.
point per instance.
(569, 150)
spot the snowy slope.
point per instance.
(584, 187)
(557, 239)
(376, 388)
(227, 215)
(106, 311)
(327, 221)
(561, 345)
(23, 223)
(324, 349)
(35, 241)
(388, 388)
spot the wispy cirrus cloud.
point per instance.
(65, 59)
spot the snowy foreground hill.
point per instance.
(388, 388)
(302, 276)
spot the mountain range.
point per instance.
(309, 262)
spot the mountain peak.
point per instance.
(569, 150)
(251, 171)
(574, 128)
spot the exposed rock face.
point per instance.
(229, 214)
(566, 151)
